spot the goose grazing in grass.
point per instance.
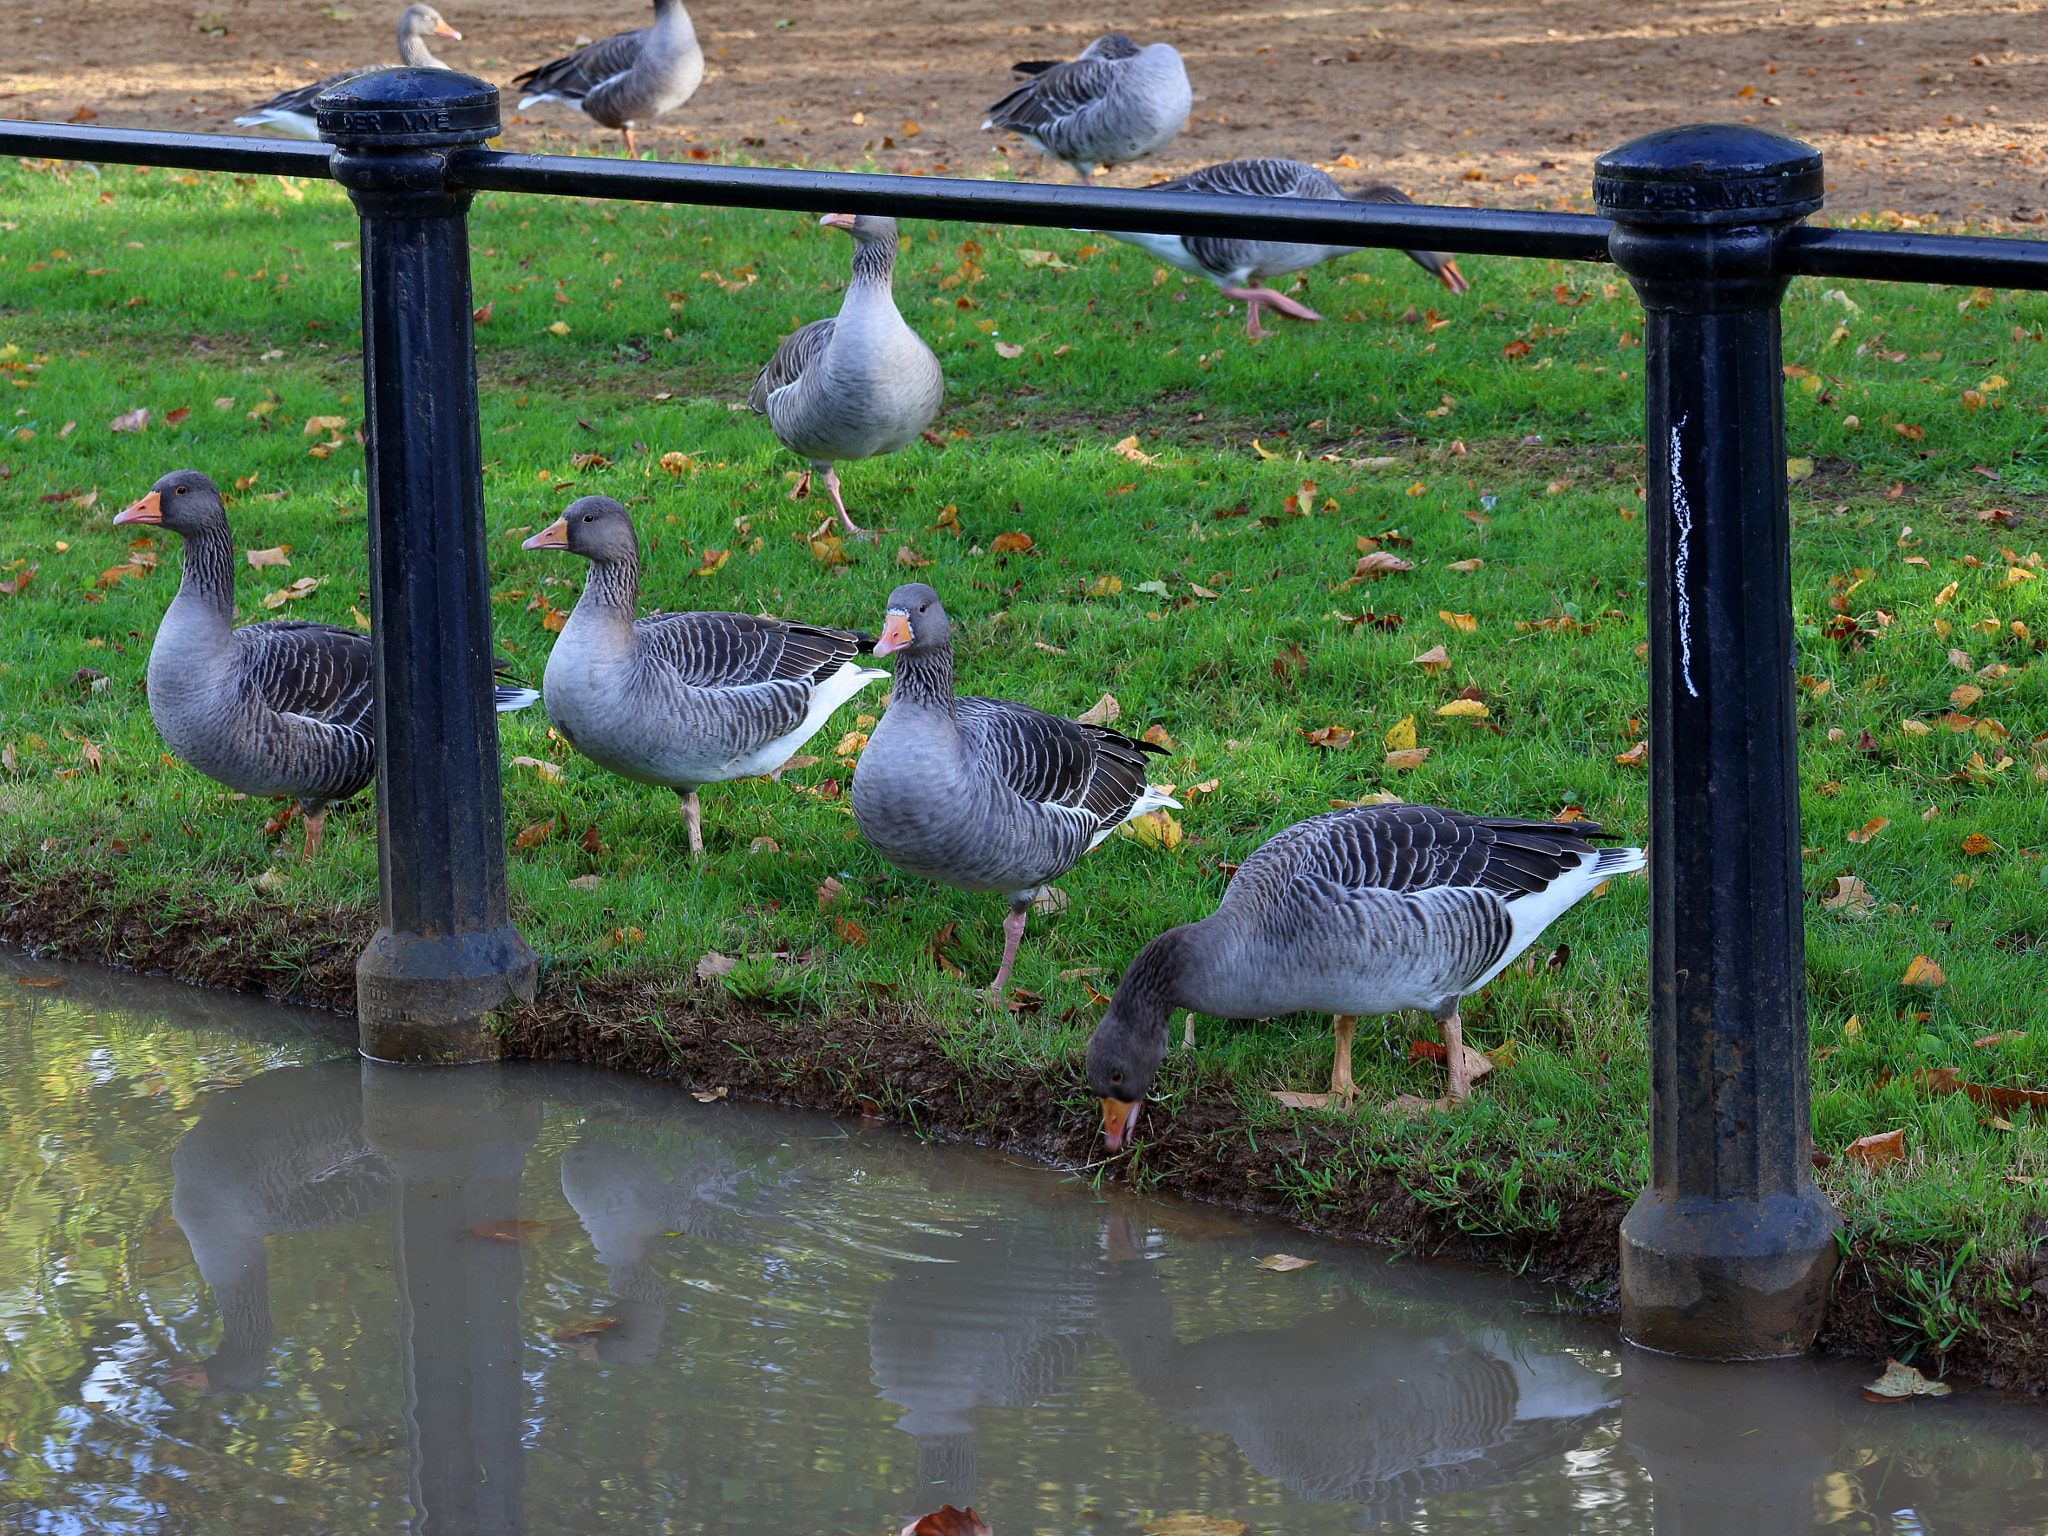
(1117, 102)
(1239, 265)
(682, 699)
(1353, 912)
(983, 794)
(292, 110)
(626, 81)
(278, 708)
(855, 385)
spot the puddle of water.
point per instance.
(249, 1284)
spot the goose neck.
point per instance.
(672, 24)
(874, 265)
(413, 50)
(924, 679)
(613, 586)
(206, 589)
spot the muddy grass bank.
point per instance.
(1970, 1316)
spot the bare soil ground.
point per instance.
(1928, 107)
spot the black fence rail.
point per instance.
(1729, 1253)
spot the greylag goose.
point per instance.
(292, 110)
(1236, 266)
(1117, 102)
(855, 385)
(1360, 911)
(682, 699)
(984, 794)
(626, 81)
(278, 708)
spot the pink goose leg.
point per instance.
(1013, 935)
(1254, 297)
(832, 489)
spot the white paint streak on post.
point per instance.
(1681, 509)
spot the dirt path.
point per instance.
(1924, 106)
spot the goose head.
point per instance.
(866, 228)
(425, 21)
(915, 622)
(1130, 1039)
(595, 527)
(184, 501)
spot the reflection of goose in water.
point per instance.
(998, 1319)
(284, 1152)
(1351, 1406)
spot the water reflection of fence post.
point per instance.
(1728, 1254)
(455, 1144)
(446, 953)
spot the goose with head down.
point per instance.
(1237, 265)
(1353, 912)
(1117, 102)
(984, 794)
(278, 708)
(682, 699)
(292, 110)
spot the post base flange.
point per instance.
(1727, 1279)
(428, 1001)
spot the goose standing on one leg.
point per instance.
(278, 708)
(682, 699)
(1117, 102)
(292, 110)
(1237, 265)
(858, 384)
(1352, 912)
(983, 794)
(626, 81)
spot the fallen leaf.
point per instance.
(1798, 469)
(849, 930)
(1635, 756)
(1105, 586)
(2003, 1037)
(586, 882)
(764, 845)
(1051, 901)
(1464, 709)
(1201, 591)
(1849, 896)
(586, 1328)
(711, 963)
(1870, 829)
(1465, 565)
(130, 421)
(622, 938)
(1435, 659)
(1400, 736)
(1205, 1525)
(1155, 829)
(511, 1231)
(1978, 843)
(910, 558)
(949, 519)
(948, 1521)
(259, 558)
(1330, 738)
(530, 835)
(1908, 431)
(39, 981)
(1407, 758)
(1009, 543)
(1008, 349)
(315, 425)
(481, 315)
(1876, 1150)
(1900, 1381)
(1128, 449)
(1283, 1262)
(829, 891)
(1923, 972)
(708, 1095)
(1463, 623)
(1380, 563)
(305, 586)
(713, 562)
(1104, 711)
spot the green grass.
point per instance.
(247, 294)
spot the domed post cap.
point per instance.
(1707, 174)
(408, 108)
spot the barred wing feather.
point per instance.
(576, 75)
(733, 650)
(799, 350)
(320, 671)
(1053, 761)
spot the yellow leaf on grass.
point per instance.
(1850, 897)
(305, 586)
(1877, 1150)
(1942, 597)
(1400, 736)
(1008, 349)
(713, 562)
(1916, 728)
(1467, 566)
(315, 425)
(559, 328)
(1870, 829)
(1978, 843)
(1635, 756)
(1128, 449)
(1105, 586)
(1465, 709)
(1463, 623)
(1155, 829)
(259, 558)
(529, 836)
(1923, 972)
(552, 772)
(1283, 1262)
(1009, 543)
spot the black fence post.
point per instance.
(1728, 1254)
(446, 953)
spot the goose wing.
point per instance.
(1054, 761)
(576, 75)
(798, 351)
(1054, 95)
(1258, 178)
(733, 650)
(1409, 848)
(299, 98)
(296, 667)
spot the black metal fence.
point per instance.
(1730, 1251)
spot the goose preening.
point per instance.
(1237, 265)
(278, 708)
(292, 110)
(682, 699)
(1353, 912)
(984, 794)
(1117, 102)
(626, 81)
(857, 384)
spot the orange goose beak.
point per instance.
(896, 634)
(836, 221)
(147, 509)
(442, 29)
(1119, 1121)
(554, 536)
(1452, 278)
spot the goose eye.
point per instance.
(183, 489)
(590, 517)
(1116, 1077)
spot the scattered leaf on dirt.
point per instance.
(510, 1231)
(1104, 711)
(1877, 1150)
(1923, 972)
(1900, 1381)
(1283, 1262)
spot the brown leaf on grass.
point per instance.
(1435, 659)
(1156, 734)
(1009, 543)
(1899, 1382)
(1290, 664)
(1978, 843)
(305, 586)
(550, 772)
(1008, 349)
(2003, 1037)
(623, 938)
(280, 819)
(590, 843)
(949, 519)
(1870, 829)
(1104, 711)
(260, 558)
(1876, 1150)
(948, 1521)
(1571, 813)
(481, 315)
(130, 421)
(1379, 563)
(1909, 432)
(531, 835)
(1409, 757)
(39, 981)
(829, 891)
(1963, 695)
(1850, 897)
(89, 754)
(14, 585)
(182, 413)
(713, 562)
(1635, 756)
(1923, 972)
(909, 558)
(1466, 566)
(849, 930)
(1283, 1262)
(511, 1231)
(1330, 738)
